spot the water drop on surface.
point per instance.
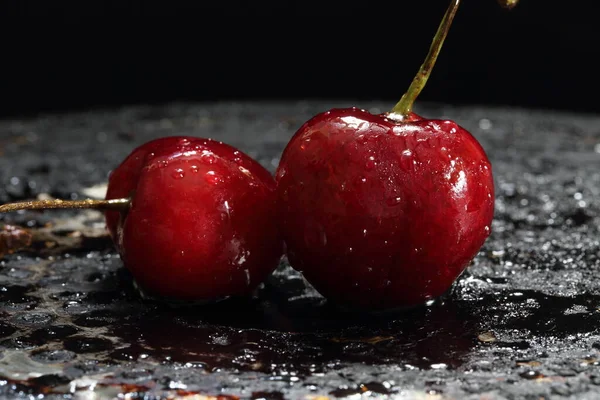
(394, 201)
(439, 366)
(211, 177)
(531, 374)
(194, 168)
(370, 163)
(178, 174)
(208, 158)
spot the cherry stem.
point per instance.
(113, 204)
(405, 105)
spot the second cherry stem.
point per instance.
(105, 205)
(405, 105)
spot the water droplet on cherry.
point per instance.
(208, 158)
(370, 163)
(212, 178)
(178, 173)
(394, 201)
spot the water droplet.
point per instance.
(178, 173)
(208, 158)
(394, 201)
(212, 178)
(364, 233)
(487, 229)
(370, 163)
(405, 159)
(363, 180)
(149, 156)
(194, 168)
(163, 163)
(245, 171)
(531, 374)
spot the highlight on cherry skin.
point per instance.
(385, 211)
(193, 219)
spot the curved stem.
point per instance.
(113, 204)
(404, 106)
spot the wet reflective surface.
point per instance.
(522, 322)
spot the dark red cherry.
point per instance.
(192, 218)
(381, 214)
(384, 211)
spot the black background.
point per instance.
(59, 56)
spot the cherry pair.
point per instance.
(377, 211)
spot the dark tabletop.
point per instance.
(523, 322)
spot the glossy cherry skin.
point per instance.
(379, 214)
(202, 222)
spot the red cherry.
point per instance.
(192, 218)
(384, 211)
(380, 214)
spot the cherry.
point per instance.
(192, 218)
(384, 211)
